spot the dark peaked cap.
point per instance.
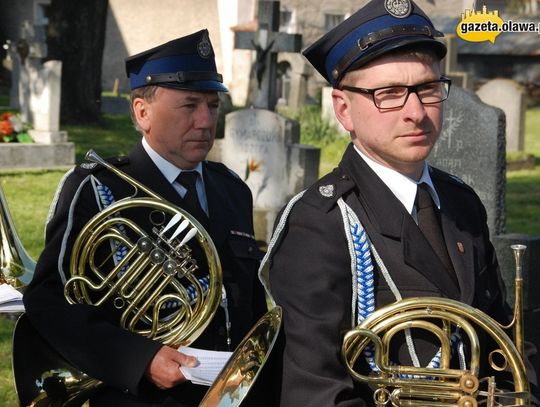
(377, 28)
(185, 63)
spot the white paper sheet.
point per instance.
(10, 299)
(210, 364)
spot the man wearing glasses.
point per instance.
(384, 225)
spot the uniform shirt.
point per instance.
(171, 172)
(403, 187)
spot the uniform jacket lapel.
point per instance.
(148, 173)
(218, 208)
(379, 210)
(459, 245)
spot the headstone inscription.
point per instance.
(472, 147)
(262, 148)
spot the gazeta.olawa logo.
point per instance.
(487, 25)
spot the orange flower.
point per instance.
(253, 165)
(6, 128)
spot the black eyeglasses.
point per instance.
(394, 97)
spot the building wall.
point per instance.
(134, 26)
(310, 20)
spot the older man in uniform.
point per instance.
(175, 105)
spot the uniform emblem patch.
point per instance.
(328, 191)
(398, 8)
(204, 48)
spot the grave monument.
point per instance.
(36, 93)
(261, 146)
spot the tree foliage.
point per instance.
(76, 36)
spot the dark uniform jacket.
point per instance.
(88, 336)
(310, 273)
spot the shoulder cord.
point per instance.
(363, 285)
(363, 292)
(264, 268)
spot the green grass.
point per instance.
(29, 193)
(523, 187)
(115, 137)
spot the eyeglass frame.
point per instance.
(410, 88)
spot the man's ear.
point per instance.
(342, 109)
(141, 112)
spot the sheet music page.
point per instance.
(210, 364)
(10, 299)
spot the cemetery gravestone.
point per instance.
(261, 145)
(262, 148)
(38, 97)
(472, 147)
(45, 92)
(509, 96)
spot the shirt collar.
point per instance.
(168, 169)
(403, 187)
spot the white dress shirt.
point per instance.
(171, 172)
(403, 187)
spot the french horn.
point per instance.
(234, 384)
(155, 284)
(16, 265)
(398, 385)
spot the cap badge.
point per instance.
(204, 48)
(327, 191)
(398, 8)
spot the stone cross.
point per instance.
(267, 42)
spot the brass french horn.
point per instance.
(16, 265)
(156, 284)
(397, 385)
(241, 373)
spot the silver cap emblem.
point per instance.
(88, 166)
(327, 191)
(204, 48)
(398, 8)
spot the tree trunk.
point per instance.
(76, 36)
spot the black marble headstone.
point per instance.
(472, 147)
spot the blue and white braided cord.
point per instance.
(192, 293)
(365, 299)
(366, 294)
(107, 198)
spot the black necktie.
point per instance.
(429, 224)
(188, 180)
